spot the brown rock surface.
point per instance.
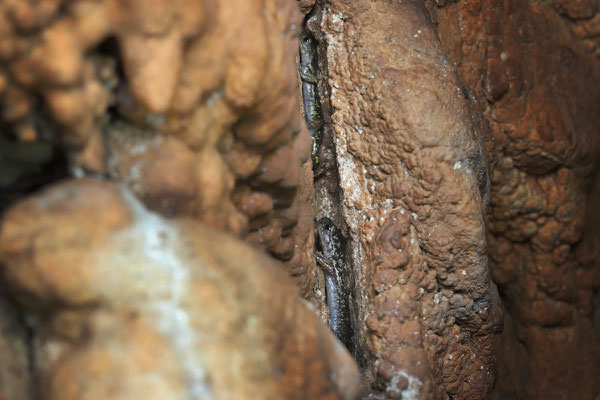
(192, 104)
(533, 69)
(414, 187)
(161, 309)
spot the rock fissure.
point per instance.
(330, 242)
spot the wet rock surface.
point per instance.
(413, 178)
(144, 307)
(533, 70)
(455, 134)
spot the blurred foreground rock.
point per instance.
(15, 377)
(125, 304)
(193, 105)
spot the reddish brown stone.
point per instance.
(53, 225)
(414, 187)
(161, 171)
(206, 124)
(533, 69)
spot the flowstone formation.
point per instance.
(533, 69)
(407, 152)
(193, 107)
(159, 188)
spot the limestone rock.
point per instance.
(414, 187)
(141, 307)
(533, 69)
(216, 82)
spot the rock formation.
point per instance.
(533, 70)
(137, 306)
(414, 187)
(157, 193)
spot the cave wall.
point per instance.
(192, 104)
(413, 176)
(458, 157)
(532, 68)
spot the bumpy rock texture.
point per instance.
(192, 104)
(533, 69)
(435, 112)
(143, 307)
(414, 184)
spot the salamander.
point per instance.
(332, 261)
(312, 107)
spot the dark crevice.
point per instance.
(36, 392)
(331, 231)
(28, 175)
(14, 311)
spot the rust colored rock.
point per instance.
(127, 358)
(57, 60)
(146, 59)
(414, 187)
(306, 5)
(236, 106)
(194, 106)
(170, 309)
(534, 71)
